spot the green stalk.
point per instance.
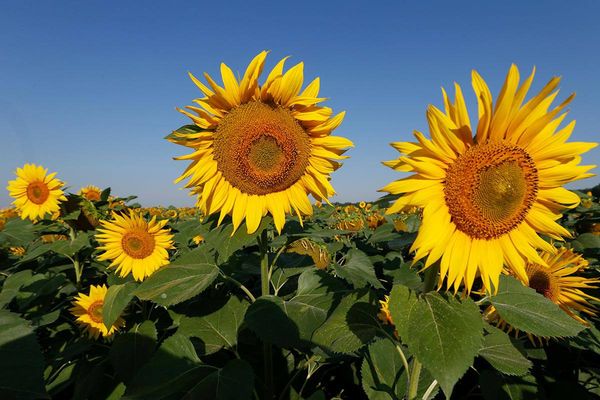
(265, 283)
(428, 284)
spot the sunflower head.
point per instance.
(37, 194)
(558, 281)
(88, 310)
(318, 253)
(260, 148)
(134, 245)
(91, 192)
(488, 190)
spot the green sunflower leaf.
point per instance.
(116, 299)
(500, 352)
(181, 280)
(444, 334)
(358, 270)
(293, 322)
(18, 232)
(351, 325)
(218, 329)
(526, 310)
(384, 376)
(21, 360)
(131, 350)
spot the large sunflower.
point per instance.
(134, 245)
(260, 148)
(88, 310)
(557, 281)
(36, 192)
(488, 192)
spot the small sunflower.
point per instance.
(88, 310)
(135, 245)
(36, 192)
(91, 192)
(557, 282)
(362, 204)
(260, 148)
(488, 191)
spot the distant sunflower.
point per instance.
(88, 310)
(134, 245)
(486, 197)
(261, 148)
(557, 281)
(384, 314)
(36, 192)
(91, 192)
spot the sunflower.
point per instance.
(91, 192)
(135, 245)
(556, 280)
(307, 247)
(88, 310)
(260, 148)
(36, 192)
(487, 193)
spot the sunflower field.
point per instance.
(475, 276)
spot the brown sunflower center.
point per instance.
(92, 195)
(95, 311)
(542, 281)
(38, 192)
(261, 149)
(490, 188)
(138, 244)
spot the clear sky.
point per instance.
(89, 88)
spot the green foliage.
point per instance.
(442, 332)
(218, 329)
(185, 278)
(502, 354)
(21, 360)
(525, 309)
(200, 328)
(117, 298)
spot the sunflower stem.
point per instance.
(428, 284)
(263, 244)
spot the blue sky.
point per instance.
(89, 89)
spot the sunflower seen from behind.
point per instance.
(133, 245)
(260, 148)
(88, 309)
(37, 194)
(489, 190)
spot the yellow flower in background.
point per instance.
(384, 314)
(198, 239)
(134, 245)
(362, 204)
(487, 192)
(91, 192)
(36, 192)
(88, 310)
(557, 281)
(18, 251)
(263, 148)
